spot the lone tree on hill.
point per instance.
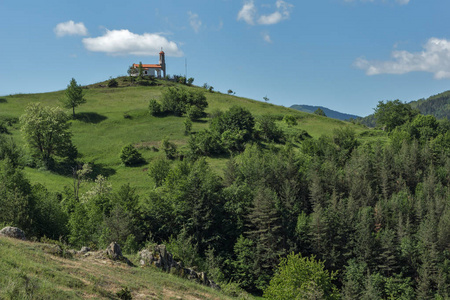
(74, 96)
(320, 112)
(46, 131)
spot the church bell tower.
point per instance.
(162, 62)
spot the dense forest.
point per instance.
(332, 218)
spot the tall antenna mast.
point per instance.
(185, 67)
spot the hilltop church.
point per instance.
(153, 69)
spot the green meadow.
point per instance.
(114, 117)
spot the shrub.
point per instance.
(190, 81)
(187, 126)
(194, 113)
(112, 83)
(130, 156)
(154, 107)
(299, 277)
(124, 294)
(290, 120)
(170, 149)
(158, 170)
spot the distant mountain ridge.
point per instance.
(436, 105)
(328, 112)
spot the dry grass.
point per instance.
(85, 277)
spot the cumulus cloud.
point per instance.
(247, 13)
(70, 28)
(282, 12)
(194, 21)
(435, 58)
(124, 42)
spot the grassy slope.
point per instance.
(26, 269)
(101, 130)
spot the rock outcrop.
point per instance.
(160, 258)
(13, 232)
(113, 251)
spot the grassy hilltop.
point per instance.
(114, 117)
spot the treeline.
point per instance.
(324, 218)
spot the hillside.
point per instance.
(114, 117)
(437, 105)
(29, 270)
(328, 112)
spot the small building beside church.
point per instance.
(153, 69)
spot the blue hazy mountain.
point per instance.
(328, 112)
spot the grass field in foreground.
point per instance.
(27, 271)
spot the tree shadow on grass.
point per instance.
(100, 169)
(90, 117)
(3, 100)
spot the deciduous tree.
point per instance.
(46, 131)
(74, 96)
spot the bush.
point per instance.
(190, 81)
(170, 149)
(290, 120)
(187, 126)
(158, 170)
(124, 294)
(112, 83)
(299, 276)
(154, 107)
(130, 156)
(194, 113)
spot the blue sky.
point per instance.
(342, 54)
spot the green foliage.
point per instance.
(194, 112)
(46, 130)
(320, 112)
(187, 126)
(205, 143)
(190, 81)
(158, 170)
(9, 151)
(268, 130)
(393, 113)
(124, 294)
(130, 156)
(112, 83)
(154, 107)
(301, 278)
(74, 96)
(236, 119)
(179, 101)
(290, 120)
(169, 148)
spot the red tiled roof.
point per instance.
(146, 66)
(162, 52)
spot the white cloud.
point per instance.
(435, 58)
(247, 13)
(194, 21)
(124, 42)
(70, 28)
(266, 37)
